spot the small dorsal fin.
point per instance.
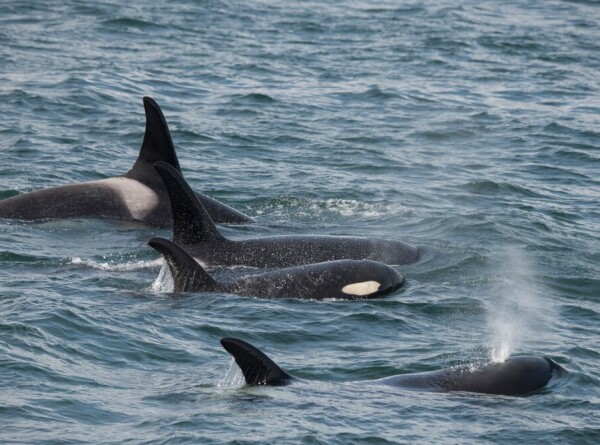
(258, 369)
(157, 144)
(191, 223)
(188, 275)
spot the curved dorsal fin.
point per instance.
(157, 144)
(188, 275)
(191, 223)
(258, 369)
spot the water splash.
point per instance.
(343, 207)
(517, 309)
(351, 207)
(119, 267)
(234, 378)
(164, 280)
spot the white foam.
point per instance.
(164, 280)
(124, 267)
(351, 207)
(343, 207)
(234, 377)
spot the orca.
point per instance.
(518, 375)
(342, 279)
(194, 229)
(137, 195)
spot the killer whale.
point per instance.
(194, 229)
(342, 279)
(137, 195)
(518, 375)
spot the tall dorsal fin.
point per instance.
(157, 144)
(188, 275)
(191, 223)
(258, 369)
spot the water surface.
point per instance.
(468, 130)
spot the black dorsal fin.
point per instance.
(258, 369)
(188, 275)
(157, 144)
(191, 223)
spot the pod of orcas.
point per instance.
(138, 195)
(341, 279)
(154, 192)
(518, 375)
(194, 230)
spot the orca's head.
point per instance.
(522, 374)
(379, 279)
(393, 279)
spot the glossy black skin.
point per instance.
(518, 375)
(194, 230)
(93, 199)
(285, 251)
(104, 198)
(313, 281)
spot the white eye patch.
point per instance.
(360, 289)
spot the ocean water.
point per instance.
(470, 129)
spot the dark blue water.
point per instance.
(471, 131)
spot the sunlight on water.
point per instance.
(517, 307)
(234, 378)
(164, 280)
